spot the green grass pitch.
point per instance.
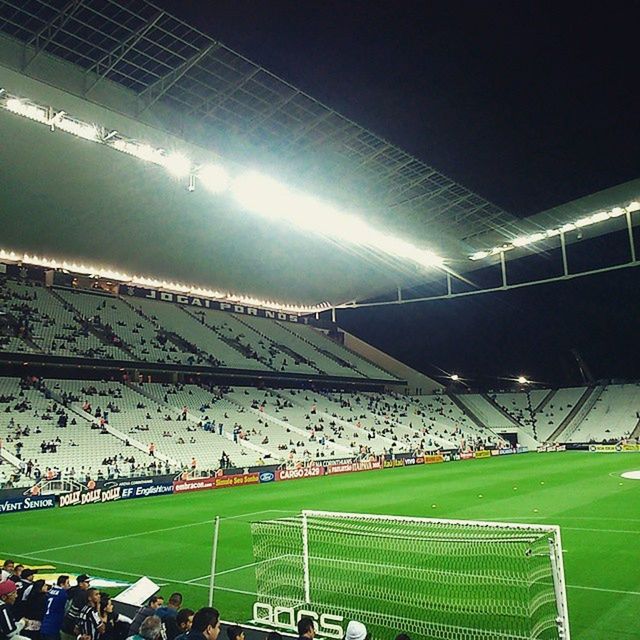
(169, 537)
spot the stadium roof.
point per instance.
(133, 59)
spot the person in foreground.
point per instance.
(205, 625)
(356, 631)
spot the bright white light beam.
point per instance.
(268, 197)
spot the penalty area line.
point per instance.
(239, 568)
(150, 531)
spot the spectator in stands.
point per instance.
(150, 629)
(155, 602)
(235, 632)
(9, 626)
(24, 584)
(91, 626)
(356, 631)
(7, 569)
(306, 628)
(57, 601)
(17, 573)
(109, 618)
(206, 624)
(35, 605)
(184, 619)
(168, 614)
(78, 597)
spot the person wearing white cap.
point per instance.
(356, 631)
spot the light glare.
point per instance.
(30, 111)
(80, 129)
(266, 196)
(177, 164)
(214, 178)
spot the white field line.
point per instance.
(600, 530)
(243, 566)
(144, 533)
(627, 593)
(84, 566)
(123, 537)
(255, 513)
(120, 572)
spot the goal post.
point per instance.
(434, 579)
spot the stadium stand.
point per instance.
(52, 438)
(137, 335)
(51, 325)
(520, 407)
(613, 415)
(344, 358)
(67, 322)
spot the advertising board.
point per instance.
(26, 503)
(296, 474)
(365, 465)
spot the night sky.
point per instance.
(529, 104)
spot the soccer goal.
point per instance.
(433, 579)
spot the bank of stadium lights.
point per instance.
(142, 281)
(522, 380)
(268, 197)
(255, 192)
(523, 241)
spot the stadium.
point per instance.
(189, 245)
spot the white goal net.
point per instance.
(433, 579)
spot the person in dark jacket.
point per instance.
(206, 624)
(34, 608)
(184, 620)
(168, 615)
(78, 597)
(306, 628)
(155, 602)
(110, 619)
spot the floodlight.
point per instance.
(266, 196)
(569, 226)
(601, 216)
(214, 178)
(80, 129)
(583, 222)
(478, 255)
(31, 111)
(141, 151)
(633, 206)
(525, 240)
(177, 165)
(455, 377)
(522, 380)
